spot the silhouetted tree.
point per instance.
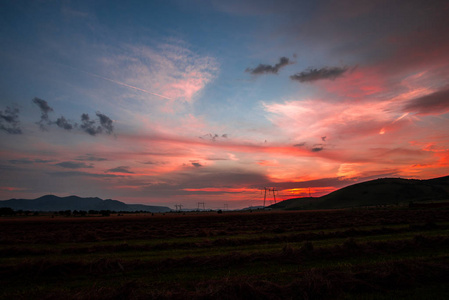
(6, 211)
(105, 213)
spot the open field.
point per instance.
(337, 254)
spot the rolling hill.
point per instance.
(383, 191)
(55, 203)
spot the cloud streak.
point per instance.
(73, 165)
(313, 74)
(82, 174)
(120, 169)
(89, 157)
(29, 161)
(436, 103)
(269, 69)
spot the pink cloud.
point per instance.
(312, 119)
(169, 70)
(267, 162)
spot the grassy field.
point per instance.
(336, 254)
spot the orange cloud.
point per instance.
(222, 190)
(306, 192)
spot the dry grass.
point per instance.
(302, 255)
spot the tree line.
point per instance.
(8, 211)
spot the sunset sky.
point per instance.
(178, 102)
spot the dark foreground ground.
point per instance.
(344, 254)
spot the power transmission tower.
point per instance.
(226, 206)
(201, 204)
(178, 207)
(269, 189)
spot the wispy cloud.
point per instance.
(196, 163)
(168, 70)
(126, 85)
(91, 127)
(73, 165)
(87, 125)
(317, 148)
(29, 161)
(120, 169)
(9, 120)
(214, 136)
(312, 119)
(105, 122)
(45, 110)
(61, 122)
(82, 174)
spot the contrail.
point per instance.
(120, 83)
(383, 130)
(127, 85)
(403, 115)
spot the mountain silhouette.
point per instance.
(383, 191)
(55, 203)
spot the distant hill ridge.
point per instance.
(383, 191)
(55, 203)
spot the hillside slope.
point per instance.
(384, 191)
(55, 203)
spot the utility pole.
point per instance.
(201, 204)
